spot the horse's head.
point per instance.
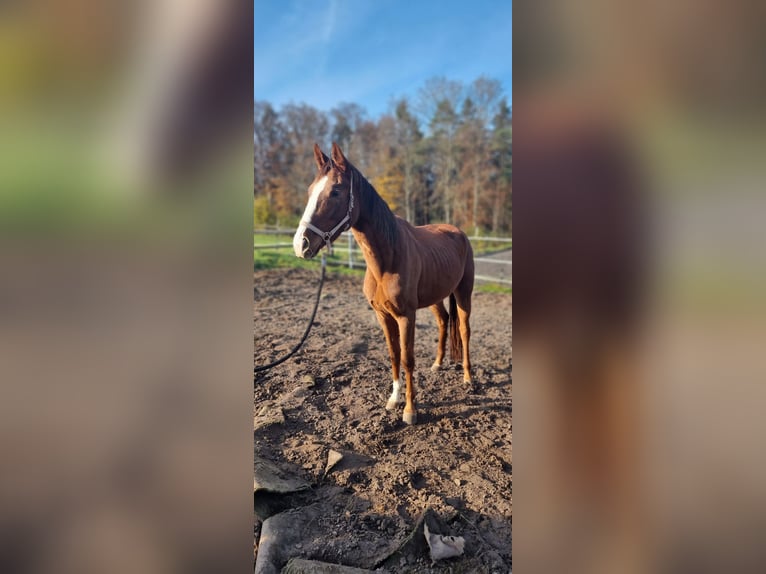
(330, 206)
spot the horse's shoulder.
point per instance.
(370, 284)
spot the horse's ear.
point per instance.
(337, 157)
(319, 157)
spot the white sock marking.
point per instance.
(394, 398)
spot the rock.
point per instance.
(279, 535)
(346, 460)
(294, 398)
(413, 544)
(458, 482)
(267, 416)
(301, 566)
(442, 547)
(333, 458)
(308, 380)
(268, 477)
(495, 561)
(267, 405)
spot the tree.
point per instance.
(262, 212)
(408, 137)
(471, 145)
(502, 164)
(484, 96)
(270, 154)
(347, 119)
(444, 126)
(435, 91)
(447, 156)
(304, 125)
(386, 170)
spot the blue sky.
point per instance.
(324, 52)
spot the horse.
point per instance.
(408, 267)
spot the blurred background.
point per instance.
(125, 291)
(639, 281)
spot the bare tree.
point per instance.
(408, 137)
(434, 91)
(347, 119)
(304, 125)
(446, 156)
(444, 126)
(502, 164)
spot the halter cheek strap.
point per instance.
(327, 235)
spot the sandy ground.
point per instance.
(456, 461)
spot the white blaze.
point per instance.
(311, 207)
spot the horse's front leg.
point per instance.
(391, 331)
(407, 342)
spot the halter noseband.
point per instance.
(327, 235)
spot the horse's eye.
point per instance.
(333, 193)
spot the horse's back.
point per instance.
(438, 235)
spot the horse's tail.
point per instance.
(456, 350)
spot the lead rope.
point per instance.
(308, 327)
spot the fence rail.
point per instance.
(355, 260)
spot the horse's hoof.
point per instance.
(435, 367)
(410, 418)
(391, 405)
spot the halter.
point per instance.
(327, 235)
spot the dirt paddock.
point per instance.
(331, 396)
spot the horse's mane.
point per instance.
(378, 215)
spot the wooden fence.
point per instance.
(351, 255)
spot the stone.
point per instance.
(333, 458)
(442, 547)
(301, 566)
(267, 416)
(268, 477)
(308, 380)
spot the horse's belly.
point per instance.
(434, 289)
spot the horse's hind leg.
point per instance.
(407, 338)
(465, 336)
(391, 331)
(441, 320)
(463, 298)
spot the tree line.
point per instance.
(444, 155)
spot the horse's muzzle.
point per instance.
(302, 247)
(302, 244)
(306, 249)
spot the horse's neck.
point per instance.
(378, 260)
(370, 235)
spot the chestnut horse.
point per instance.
(408, 267)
